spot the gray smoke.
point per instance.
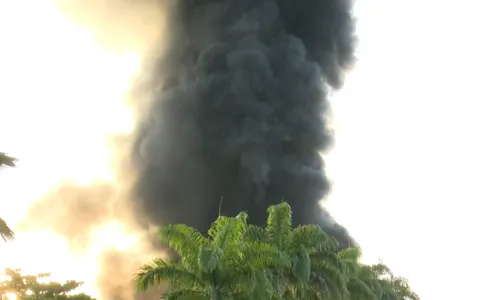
(241, 111)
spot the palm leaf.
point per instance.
(358, 289)
(159, 271)
(228, 231)
(313, 238)
(334, 279)
(255, 234)
(5, 232)
(279, 224)
(7, 160)
(263, 256)
(302, 266)
(186, 295)
(209, 259)
(185, 240)
(351, 254)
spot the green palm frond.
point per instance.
(388, 291)
(351, 254)
(279, 224)
(359, 290)
(260, 255)
(228, 231)
(159, 271)
(255, 234)
(210, 259)
(328, 260)
(313, 238)
(186, 295)
(5, 232)
(302, 266)
(185, 240)
(334, 279)
(7, 160)
(264, 286)
(351, 258)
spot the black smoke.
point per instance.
(242, 112)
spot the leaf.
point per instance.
(5, 232)
(228, 232)
(302, 266)
(7, 160)
(185, 240)
(159, 271)
(361, 290)
(313, 239)
(279, 224)
(185, 295)
(209, 259)
(255, 234)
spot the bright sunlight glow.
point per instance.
(60, 95)
(416, 164)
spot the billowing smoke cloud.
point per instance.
(237, 111)
(80, 208)
(241, 112)
(86, 214)
(237, 102)
(76, 213)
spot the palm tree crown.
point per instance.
(238, 261)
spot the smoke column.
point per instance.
(240, 110)
(230, 102)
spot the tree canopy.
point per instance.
(239, 261)
(33, 287)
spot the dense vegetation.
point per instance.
(239, 261)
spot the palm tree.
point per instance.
(5, 232)
(221, 266)
(308, 266)
(238, 261)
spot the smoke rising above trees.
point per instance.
(231, 102)
(240, 110)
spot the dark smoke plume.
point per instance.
(241, 111)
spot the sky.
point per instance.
(416, 165)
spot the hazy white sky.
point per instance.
(417, 162)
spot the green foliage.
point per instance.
(307, 265)
(30, 287)
(5, 232)
(221, 266)
(6, 160)
(238, 261)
